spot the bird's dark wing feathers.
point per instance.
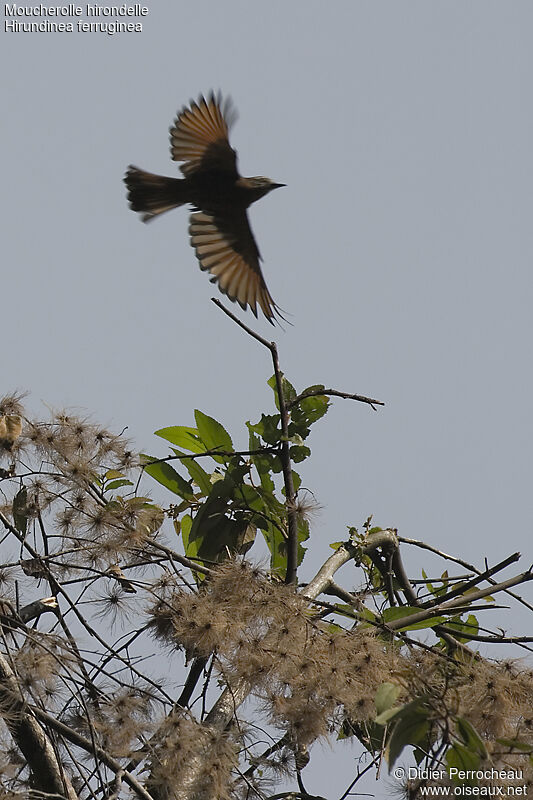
(226, 248)
(199, 136)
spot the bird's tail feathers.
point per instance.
(151, 194)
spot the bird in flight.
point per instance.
(219, 228)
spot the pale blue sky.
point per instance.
(402, 246)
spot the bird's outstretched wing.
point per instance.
(226, 248)
(199, 136)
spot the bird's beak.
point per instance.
(278, 185)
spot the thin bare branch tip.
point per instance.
(242, 325)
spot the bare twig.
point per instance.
(359, 775)
(183, 560)
(214, 452)
(497, 639)
(462, 562)
(460, 589)
(235, 319)
(334, 393)
(459, 603)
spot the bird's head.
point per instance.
(259, 185)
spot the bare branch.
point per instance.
(235, 319)
(459, 603)
(334, 393)
(462, 562)
(215, 452)
(345, 552)
(47, 773)
(461, 588)
(94, 749)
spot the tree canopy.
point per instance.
(147, 651)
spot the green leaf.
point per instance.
(237, 470)
(20, 511)
(213, 532)
(248, 497)
(167, 476)
(111, 474)
(459, 757)
(411, 728)
(136, 502)
(262, 462)
(277, 544)
(213, 434)
(471, 737)
(298, 429)
(289, 392)
(109, 487)
(399, 612)
(296, 480)
(186, 525)
(273, 507)
(198, 474)
(514, 744)
(182, 436)
(212, 509)
(464, 630)
(314, 407)
(299, 453)
(386, 716)
(277, 466)
(367, 614)
(303, 535)
(386, 696)
(179, 508)
(267, 428)
(306, 412)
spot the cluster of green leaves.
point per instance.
(413, 724)
(229, 495)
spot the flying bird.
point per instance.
(219, 228)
